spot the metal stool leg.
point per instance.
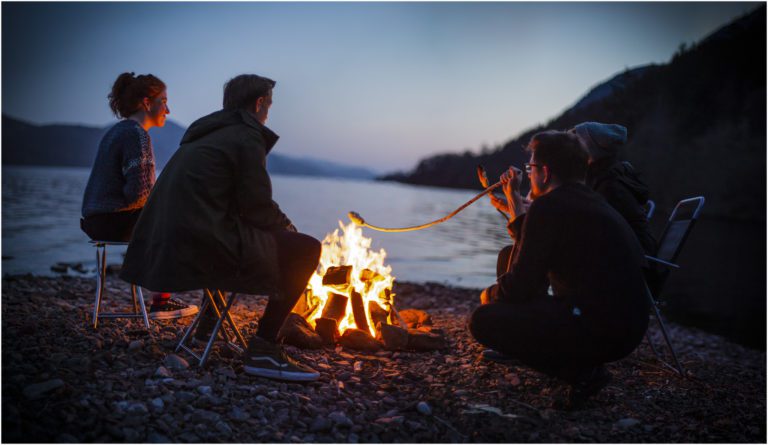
(679, 367)
(137, 290)
(232, 324)
(99, 284)
(193, 325)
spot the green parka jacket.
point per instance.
(206, 223)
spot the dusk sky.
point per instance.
(380, 85)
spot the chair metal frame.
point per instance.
(139, 308)
(221, 306)
(671, 263)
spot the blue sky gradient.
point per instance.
(374, 84)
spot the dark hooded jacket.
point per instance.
(208, 220)
(619, 184)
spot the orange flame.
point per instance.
(351, 249)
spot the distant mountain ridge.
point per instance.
(689, 121)
(76, 145)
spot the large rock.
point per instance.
(393, 337)
(415, 318)
(173, 361)
(360, 340)
(425, 341)
(296, 331)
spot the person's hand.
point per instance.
(510, 184)
(499, 203)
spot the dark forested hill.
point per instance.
(76, 145)
(697, 126)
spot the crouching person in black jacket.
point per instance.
(572, 240)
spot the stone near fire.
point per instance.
(338, 276)
(296, 331)
(359, 340)
(425, 341)
(393, 337)
(415, 318)
(328, 330)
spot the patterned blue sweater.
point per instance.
(123, 173)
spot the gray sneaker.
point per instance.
(266, 359)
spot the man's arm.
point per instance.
(534, 249)
(254, 192)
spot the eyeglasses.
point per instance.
(529, 167)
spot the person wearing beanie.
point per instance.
(614, 180)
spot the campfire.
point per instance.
(349, 301)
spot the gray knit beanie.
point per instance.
(601, 140)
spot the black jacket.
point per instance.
(572, 239)
(206, 223)
(619, 184)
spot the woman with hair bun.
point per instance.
(124, 171)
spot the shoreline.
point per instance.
(63, 381)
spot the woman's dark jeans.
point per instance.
(116, 226)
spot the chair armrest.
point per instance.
(666, 263)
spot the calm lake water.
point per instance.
(41, 213)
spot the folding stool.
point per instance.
(139, 309)
(220, 305)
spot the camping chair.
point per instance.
(216, 300)
(139, 309)
(675, 234)
(649, 208)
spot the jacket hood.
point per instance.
(622, 172)
(226, 118)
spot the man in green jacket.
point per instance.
(211, 222)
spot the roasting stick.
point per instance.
(357, 219)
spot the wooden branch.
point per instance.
(335, 307)
(358, 311)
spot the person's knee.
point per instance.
(478, 323)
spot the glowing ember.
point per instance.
(369, 278)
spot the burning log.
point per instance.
(370, 277)
(303, 305)
(339, 277)
(297, 332)
(360, 340)
(358, 311)
(335, 307)
(378, 315)
(393, 337)
(328, 329)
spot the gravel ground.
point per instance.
(64, 382)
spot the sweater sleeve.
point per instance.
(138, 165)
(534, 247)
(254, 193)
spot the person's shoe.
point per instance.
(499, 357)
(171, 308)
(595, 380)
(267, 359)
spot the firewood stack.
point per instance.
(410, 329)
